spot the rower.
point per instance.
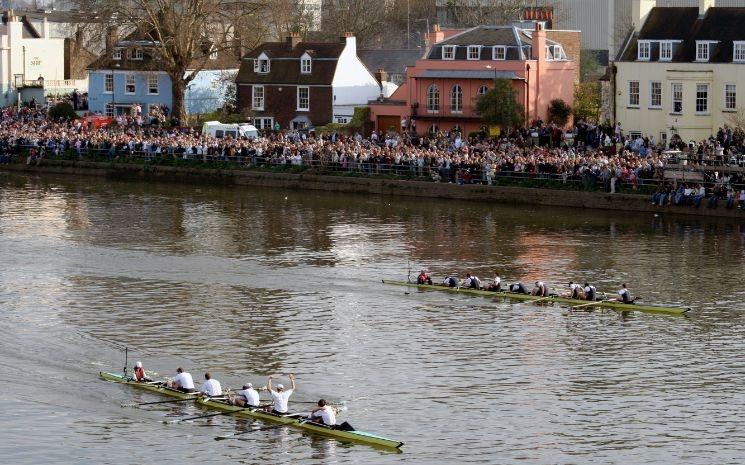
(574, 290)
(450, 281)
(139, 374)
(211, 387)
(540, 289)
(280, 396)
(589, 292)
(182, 381)
(496, 285)
(471, 282)
(247, 397)
(518, 288)
(323, 414)
(424, 278)
(624, 295)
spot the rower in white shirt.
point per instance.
(540, 289)
(574, 290)
(624, 295)
(280, 396)
(590, 292)
(496, 284)
(182, 381)
(323, 414)
(246, 397)
(211, 387)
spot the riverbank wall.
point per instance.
(369, 185)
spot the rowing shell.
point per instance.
(344, 436)
(621, 307)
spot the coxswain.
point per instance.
(424, 278)
(518, 288)
(624, 295)
(540, 289)
(139, 374)
(574, 291)
(246, 397)
(589, 292)
(323, 414)
(211, 387)
(182, 381)
(280, 396)
(496, 284)
(450, 281)
(471, 282)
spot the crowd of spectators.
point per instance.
(593, 154)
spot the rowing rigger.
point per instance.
(291, 420)
(610, 304)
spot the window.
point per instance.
(214, 84)
(213, 53)
(303, 98)
(499, 52)
(448, 52)
(256, 65)
(643, 50)
(129, 84)
(262, 65)
(702, 51)
(555, 53)
(264, 123)
(482, 90)
(474, 52)
(257, 97)
(109, 109)
(730, 97)
(456, 99)
(108, 83)
(633, 93)
(117, 55)
(305, 65)
(138, 54)
(433, 129)
(433, 99)
(342, 119)
(702, 98)
(738, 51)
(677, 91)
(152, 85)
(655, 94)
(666, 51)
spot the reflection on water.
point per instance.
(246, 283)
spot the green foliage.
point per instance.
(360, 117)
(589, 65)
(559, 112)
(587, 101)
(499, 107)
(332, 127)
(62, 110)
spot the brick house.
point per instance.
(441, 90)
(296, 85)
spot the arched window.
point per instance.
(433, 129)
(456, 99)
(433, 98)
(482, 90)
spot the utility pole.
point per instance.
(408, 24)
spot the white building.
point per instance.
(27, 54)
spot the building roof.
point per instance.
(467, 74)
(392, 61)
(721, 24)
(285, 63)
(517, 42)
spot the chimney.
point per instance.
(539, 43)
(45, 29)
(704, 5)
(351, 42)
(293, 40)
(381, 75)
(639, 11)
(433, 37)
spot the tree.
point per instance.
(62, 111)
(499, 107)
(587, 101)
(559, 112)
(589, 65)
(470, 13)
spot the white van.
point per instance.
(236, 131)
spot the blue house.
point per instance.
(129, 74)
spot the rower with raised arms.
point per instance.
(280, 396)
(182, 381)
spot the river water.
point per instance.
(246, 283)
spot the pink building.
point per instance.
(441, 89)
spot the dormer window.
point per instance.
(305, 64)
(138, 54)
(738, 51)
(555, 53)
(643, 52)
(703, 49)
(262, 65)
(474, 52)
(448, 52)
(213, 53)
(666, 51)
(499, 52)
(117, 55)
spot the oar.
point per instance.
(199, 417)
(172, 401)
(589, 304)
(539, 300)
(266, 428)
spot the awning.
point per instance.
(467, 74)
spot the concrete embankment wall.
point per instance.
(364, 185)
